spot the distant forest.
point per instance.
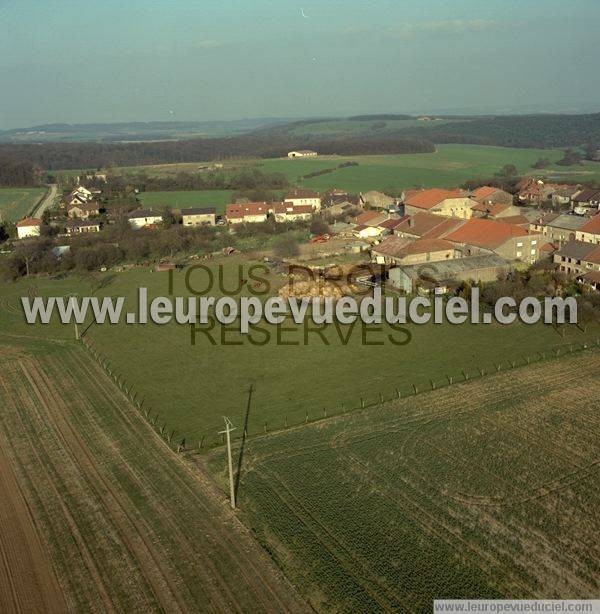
(535, 131)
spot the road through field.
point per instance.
(130, 526)
(47, 202)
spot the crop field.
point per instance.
(294, 372)
(486, 489)
(186, 198)
(15, 203)
(114, 521)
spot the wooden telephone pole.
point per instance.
(228, 428)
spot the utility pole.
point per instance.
(228, 428)
(75, 318)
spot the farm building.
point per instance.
(198, 216)
(450, 203)
(377, 200)
(29, 227)
(302, 153)
(396, 250)
(507, 240)
(484, 268)
(143, 218)
(495, 211)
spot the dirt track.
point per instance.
(128, 524)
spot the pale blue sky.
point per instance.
(126, 60)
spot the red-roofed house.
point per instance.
(426, 225)
(590, 231)
(507, 240)
(451, 203)
(248, 213)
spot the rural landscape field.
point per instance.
(16, 203)
(489, 489)
(191, 386)
(299, 307)
(125, 525)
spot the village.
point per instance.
(462, 235)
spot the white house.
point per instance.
(29, 227)
(302, 153)
(142, 218)
(304, 197)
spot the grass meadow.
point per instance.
(186, 198)
(294, 372)
(16, 203)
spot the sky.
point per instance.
(131, 60)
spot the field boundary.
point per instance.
(381, 399)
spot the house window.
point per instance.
(534, 242)
(519, 254)
(533, 252)
(520, 244)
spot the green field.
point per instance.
(16, 203)
(486, 489)
(449, 166)
(186, 198)
(192, 387)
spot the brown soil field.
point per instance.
(127, 524)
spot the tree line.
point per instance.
(16, 172)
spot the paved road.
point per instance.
(47, 202)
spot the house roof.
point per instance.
(586, 195)
(491, 208)
(592, 277)
(518, 220)
(81, 224)
(428, 225)
(371, 218)
(549, 247)
(28, 222)
(568, 222)
(240, 210)
(489, 234)
(391, 223)
(398, 247)
(198, 211)
(85, 206)
(427, 199)
(578, 250)
(485, 191)
(592, 227)
(447, 269)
